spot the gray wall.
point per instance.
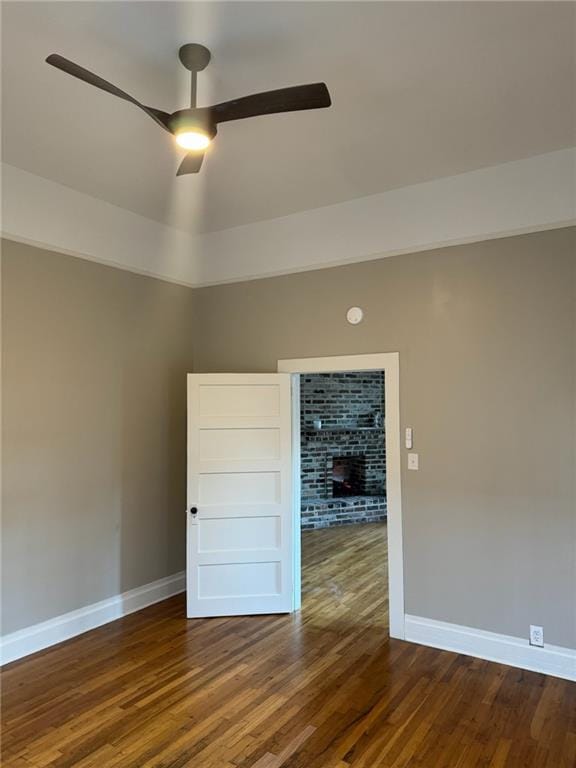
(486, 335)
(94, 418)
(94, 404)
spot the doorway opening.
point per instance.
(356, 502)
(343, 496)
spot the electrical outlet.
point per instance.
(536, 636)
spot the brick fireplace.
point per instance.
(343, 458)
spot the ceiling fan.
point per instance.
(195, 128)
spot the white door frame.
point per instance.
(388, 362)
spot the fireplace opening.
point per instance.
(348, 476)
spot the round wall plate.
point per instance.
(354, 315)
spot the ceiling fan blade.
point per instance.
(162, 118)
(191, 163)
(313, 96)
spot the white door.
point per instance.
(240, 532)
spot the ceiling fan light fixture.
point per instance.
(193, 140)
(194, 128)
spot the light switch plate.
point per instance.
(408, 437)
(412, 461)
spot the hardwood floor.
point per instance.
(324, 688)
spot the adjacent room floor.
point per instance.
(324, 688)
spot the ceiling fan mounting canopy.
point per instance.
(195, 127)
(194, 57)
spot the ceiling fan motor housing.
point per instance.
(193, 120)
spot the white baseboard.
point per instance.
(39, 636)
(504, 649)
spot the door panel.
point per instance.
(239, 444)
(232, 400)
(240, 541)
(243, 533)
(227, 580)
(248, 488)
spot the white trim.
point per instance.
(296, 495)
(39, 636)
(513, 198)
(40, 212)
(382, 254)
(504, 649)
(388, 362)
(96, 259)
(337, 363)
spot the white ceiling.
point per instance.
(420, 91)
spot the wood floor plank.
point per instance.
(324, 688)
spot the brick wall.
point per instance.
(346, 403)
(349, 511)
